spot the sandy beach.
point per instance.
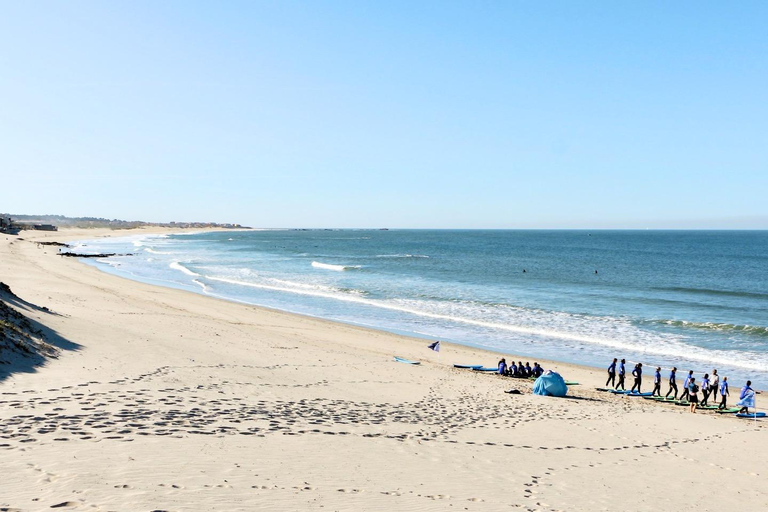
(162, 399)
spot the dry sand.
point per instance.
(168, 400)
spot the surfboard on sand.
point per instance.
(482, 369)
(406, 361)
(751, 415)
(468, 366)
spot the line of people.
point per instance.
(710, 385)
(518, 370)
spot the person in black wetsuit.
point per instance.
(672, 383)
(638, 374)
(657, 382)
(686, 391)
(744, 392)
(704, 390)
(723, 393)
(611, 373)
(622, 372)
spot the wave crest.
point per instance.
(336, 268)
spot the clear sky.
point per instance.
(467, 114)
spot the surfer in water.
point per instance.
(612, 373)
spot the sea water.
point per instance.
(692, 299)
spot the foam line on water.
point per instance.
(176, 265)
(336, 268)
(664, 346)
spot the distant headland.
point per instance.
(16, 222)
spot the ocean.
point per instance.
(692, 299)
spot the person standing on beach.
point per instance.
(686, 391)
(705, 389)
(622, 371)
(693, 396)
(657, 382)
(612, 373)
(745, 391)
(714, 385)
(672, 382)
(638, 374)
(723, 393)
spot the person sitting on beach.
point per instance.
(611, 373)
(693, 396)
(622, 371)
(686, 392)
(520, 370)
(723, 393)
(528, 369)
(512, 370)
(745, 391)
(537, 370)
(657, 382)
(672, 382)
(502, 366)
(638, 374)
(705, 389)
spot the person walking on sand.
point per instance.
(745, 392)
(657, 382)
(693, 397)
(622, 372)
(611, 373)
(705, 389)
(723, 393)
(672, 382)
(686, 391)
(637, 373)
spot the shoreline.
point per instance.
(168, 399)
(700, 367)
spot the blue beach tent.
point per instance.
(550, 384)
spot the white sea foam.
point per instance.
(607, 332)
(402, 256)
(176, 265)
(336, 268)
(152, 251)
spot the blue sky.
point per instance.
(400, 114)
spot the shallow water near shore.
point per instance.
(693, 299)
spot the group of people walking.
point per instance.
(518, 370)
(709, 387)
